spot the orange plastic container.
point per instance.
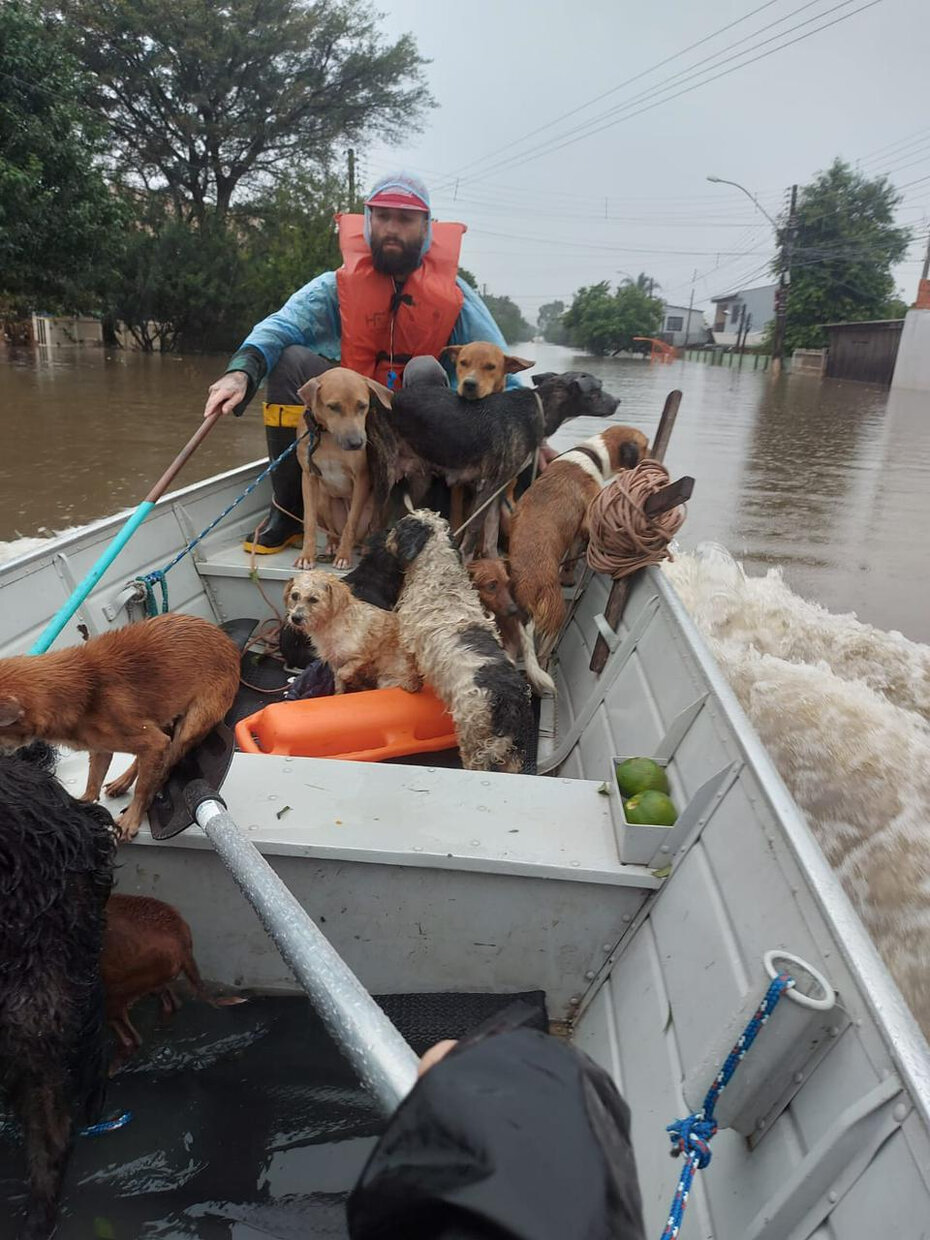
(359, 727)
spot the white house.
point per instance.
(756, 304)
(674, 330)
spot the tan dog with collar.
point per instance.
(335, 481)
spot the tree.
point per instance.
(603, 322)
(550, 323)
(214, 101)
(509, 318)
(644, 283)
(466, 275)
(844, 246)
(58, 220)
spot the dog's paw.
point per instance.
(305, 562)
(127, 827)
(342, 561)
(120, 786)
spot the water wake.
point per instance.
(843, 709)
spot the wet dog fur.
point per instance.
(550, 523)
(359, 641)
(56, 869)
(484, 442)
(147, 945)
(153, 689)
(458, 650)
(491, 578)
(335, 477)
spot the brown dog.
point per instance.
(335, 481)
(153, 689)
(147, 945)
(549, 523)
(491, 578)
(359, 641)
(482, 368)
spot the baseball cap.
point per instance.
(401, 191)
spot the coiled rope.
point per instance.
(622, 537)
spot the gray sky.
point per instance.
(537, 229)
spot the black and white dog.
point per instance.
(56, 869)
(430, 430)
(456, 646)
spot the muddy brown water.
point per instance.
(829, 479)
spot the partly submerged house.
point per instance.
(683, 326)
(758, 305)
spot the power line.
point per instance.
(569, 140)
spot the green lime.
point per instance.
(651, 807)
(640, 775)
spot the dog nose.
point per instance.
(469, 387)
(297, 617)
(512, 609)
(352, 443)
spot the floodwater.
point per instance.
(829, 479)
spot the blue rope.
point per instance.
(150, 580)
(691, 1136)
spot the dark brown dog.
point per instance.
(549, 523)
(152, 689)
(491, 578)
(147, 945)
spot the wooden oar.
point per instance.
(620, 590)
(132, 523)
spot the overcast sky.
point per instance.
(634, 197)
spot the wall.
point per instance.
(912, 369)
(865, 352)
(52, 332)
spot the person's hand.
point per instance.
(434, 1054)
(226, 393)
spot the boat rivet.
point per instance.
(576, 864)
(798, 1078)
(605, 947)
(431, 770)
(567, 781)
(574, 1000)
(475, 843)
(833, 1196)
(482, 809)
(834, 1031)
(663, 848)
(858, 1024)
(288, 759)
(770, 838)
(627, 917)
(418, 848)
(589, 975)
(272, 796)
(899, 1114)
(485, 783)
(760, 1124)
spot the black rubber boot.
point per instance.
(280, 529)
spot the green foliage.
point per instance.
(602, 322)
(509, 318)
(466, 275)
(58, 220)
(844, 247)
(550, 322)
(216, 101)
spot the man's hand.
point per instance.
(226, 393)
(434, 1055)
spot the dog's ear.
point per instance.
(453, 350)
(384, 396)
(513, 364)
(11, 711)
(307, 393)
(538, 380)
(410, 537)
(629, 455)
(288, 586)
(585, 384)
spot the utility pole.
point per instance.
(690, 308)
(351, 179)
(784, 283)
(926, 271)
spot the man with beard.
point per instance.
(388, 313)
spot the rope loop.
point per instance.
(691, 1136)
(622, 538)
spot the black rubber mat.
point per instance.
(247, 1123)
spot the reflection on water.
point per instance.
(829, 478)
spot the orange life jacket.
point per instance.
(381, 332)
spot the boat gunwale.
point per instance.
(903, 1037)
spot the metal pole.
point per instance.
(384, 1062)
(926, 271)
(690, 308)
(351, 179)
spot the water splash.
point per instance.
(843, 709)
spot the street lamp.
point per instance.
(751, 197)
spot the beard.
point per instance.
(395, 262)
